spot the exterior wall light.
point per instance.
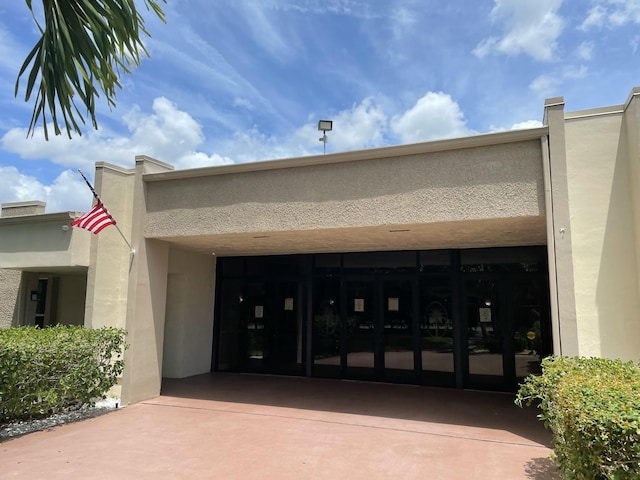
(324, 126)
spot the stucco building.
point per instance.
(458, 262)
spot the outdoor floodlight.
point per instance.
(325, 126)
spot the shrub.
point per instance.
(592, 406)
(51, 370)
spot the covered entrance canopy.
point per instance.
(408, 203)
(482, 191)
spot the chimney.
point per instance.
(19, 209)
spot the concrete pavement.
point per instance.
(228, 426)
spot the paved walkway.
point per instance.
(258, 427)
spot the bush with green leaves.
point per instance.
(52, 370)
(592, 406)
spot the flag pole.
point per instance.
(115, 224)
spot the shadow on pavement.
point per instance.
(429, 404)
(541, 469)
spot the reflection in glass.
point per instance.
(231, 299)
(254, 307)
(483, 328)
(398, 325)
(360, 325)
(326, 326)
(528, 333)
(286, 328)
(436, 325)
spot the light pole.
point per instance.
(325, 126)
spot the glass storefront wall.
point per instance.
(466, 318)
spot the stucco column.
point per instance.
(632, 124)
(109, 255)
(146, 298)
(561, 274)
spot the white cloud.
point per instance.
(362, 126)
(243, 102)
(68, 191)
(612, 13)
(167, 134)
(595, 18)
(531, 27)
(266, 32)
(548, 84)
(585, 50)
(435, 115)
(526, 124)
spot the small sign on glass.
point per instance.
(393, 304)
(288, 304)
(485, 314)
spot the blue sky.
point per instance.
(232, 81)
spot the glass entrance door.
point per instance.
(399, 325)
(362, 330)
(273, 327)
(507, 330)
(484, 334)
(284, 352)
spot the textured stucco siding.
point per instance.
(43, 244)
(9, 296)
(603, 241)
(501, 181)
(107, 279)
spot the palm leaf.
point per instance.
(85, 46)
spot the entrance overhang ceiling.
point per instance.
(523, 231)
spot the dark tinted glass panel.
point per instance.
(255, 312)
(232, 266)
(434, 261)
(484, 328)
(276, 265)
(231, 300)
(361, 327)
(327, 263)
(397, 323)
(380, 262)
(436, 324)
(326, 327)
(530, 326)
(284, 329)
(503, 260)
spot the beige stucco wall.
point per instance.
(72, 291)
(108, 276)
(38, 241)
(603, 234)
(145, 284)
(501, 181)
(9, 297)
(631, 125)
(188, 334)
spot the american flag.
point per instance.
(95, 220)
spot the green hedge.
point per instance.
(51, 370)
(592, 406)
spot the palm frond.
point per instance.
(85, 46)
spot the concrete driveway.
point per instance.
(228, 426)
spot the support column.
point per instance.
(561, 279)
(146, 298)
